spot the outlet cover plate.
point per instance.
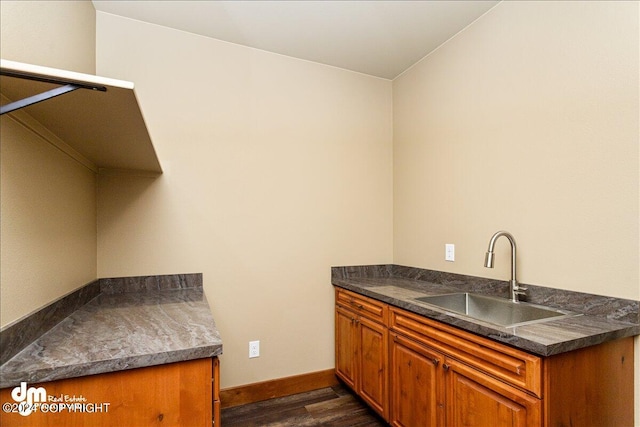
(254, 349)
(449, 252)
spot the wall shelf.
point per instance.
(104, 130)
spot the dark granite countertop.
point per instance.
(602, 319)
(118, 330)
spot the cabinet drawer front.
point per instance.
(367, 307)
(513, 366)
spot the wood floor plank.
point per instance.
(328, 407)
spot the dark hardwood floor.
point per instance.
(332, 406)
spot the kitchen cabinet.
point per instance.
(441, 375)
(362, 349)
(175, 394)
(429, 388)
(427, 367)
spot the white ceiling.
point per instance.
(380, 38)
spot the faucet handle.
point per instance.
(520, 290)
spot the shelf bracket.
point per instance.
(37, 98)
(69, 86)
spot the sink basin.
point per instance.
(499, 311)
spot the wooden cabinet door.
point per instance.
(417, 385)
(373, 354)
(346, 348)
(475, 399)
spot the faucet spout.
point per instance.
(514, 289)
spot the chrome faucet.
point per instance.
(514, 289)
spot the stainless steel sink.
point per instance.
(499, 311)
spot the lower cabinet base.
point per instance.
(176, 394)
(438, 375)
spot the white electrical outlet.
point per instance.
(254, 349)
(449, 252)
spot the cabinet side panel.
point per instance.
(173, 394)
(215, 390)
(590, 387)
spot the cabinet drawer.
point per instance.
(513, 366)
(366, 307)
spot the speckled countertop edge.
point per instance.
(121, 328)
(399, 286)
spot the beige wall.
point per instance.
(275, 170)
(48, 203)
(48, 228)
(526, 121)
(58, 34)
